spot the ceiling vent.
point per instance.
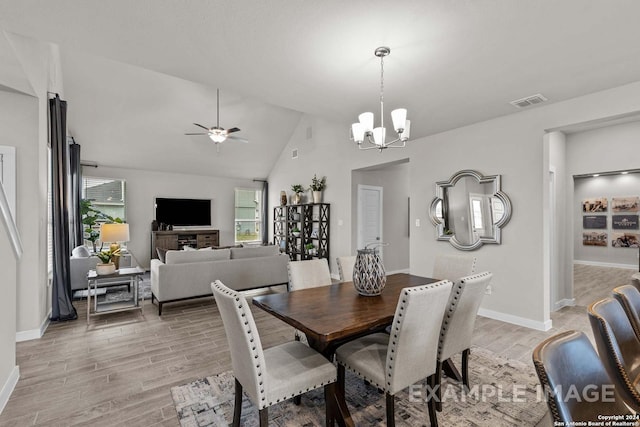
(528, 101)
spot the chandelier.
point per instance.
(363, 130)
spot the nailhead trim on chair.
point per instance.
(263, 404)
(549, 392)
(622, 371)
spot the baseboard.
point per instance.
(34, 334)
(516, 320)
(606, 264)
(9, 386)
(565, 302)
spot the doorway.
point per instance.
(370, 216)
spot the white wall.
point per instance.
(142, 187)
(608, 148)
(512, 146)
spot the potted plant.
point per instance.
(297, 193)
(107, 266)
(295, 231)
(317, 186)
(311, 249)
(91, 218)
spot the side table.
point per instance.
(94, 280)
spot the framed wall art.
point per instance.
(594, 238)
(625, 204)
(624, 222)
(625, 240)
(594, 204)
(594, 221)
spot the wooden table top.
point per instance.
(329, 315)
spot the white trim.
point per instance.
(34, 334)
(606, 264)
(9, 386)
(565, 302)
(516, 320)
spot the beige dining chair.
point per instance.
(308, 273)
(457, 324)
(567, 362)
(273, 375)
(393, 362)
(453, 267)
(305, 274)
(345, 267)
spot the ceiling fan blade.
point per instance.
(203, 127)
(201, 133)
(232, 130)
(236, 138)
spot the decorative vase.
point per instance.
(105, 269)
(296, 198)
(369, 277)
(317, 197)
(283, 198)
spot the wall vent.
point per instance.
(294, 153)
(528, 101)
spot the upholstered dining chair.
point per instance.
(453, 267)
(567, 363)
(273, 375)
(629, 298)
(395, 361)
(457, 324)
(308, 273)
(618, 347)
(345, 267)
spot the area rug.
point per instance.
(503, 393)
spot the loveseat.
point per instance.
(188, 274)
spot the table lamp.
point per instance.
(114, 233)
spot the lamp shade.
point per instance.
(379, 135)
(406, 133)
(399, 117)
(366, 120)
(357, 131)
(115, 232)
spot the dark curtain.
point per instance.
(75, 181)
(61, 306)
(264, 230)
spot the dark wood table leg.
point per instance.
(450, 370)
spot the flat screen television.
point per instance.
(183, 212)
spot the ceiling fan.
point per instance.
(216, 133)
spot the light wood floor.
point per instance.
(119, 370)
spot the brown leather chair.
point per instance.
(618, 346)
(629, 298)
(567, 363)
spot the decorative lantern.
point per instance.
(369, 277)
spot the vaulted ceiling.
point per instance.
(137, 74)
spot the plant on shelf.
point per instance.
(295, 231)
(317, 186)
(310, 248)
(297, 193)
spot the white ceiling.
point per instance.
(137, 74)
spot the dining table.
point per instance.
(332, 315)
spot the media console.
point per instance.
(176, 239)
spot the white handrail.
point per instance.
(10, 225)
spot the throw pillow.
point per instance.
(255, 252)
(188, 248)
(161, 253)
(80, 252)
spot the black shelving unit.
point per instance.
(311, 220)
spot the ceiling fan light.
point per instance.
(216, 137)
(357, 131)
(366, 120)
(406, 133)
(379, 134)
(399, 117)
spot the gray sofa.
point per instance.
(188, 274)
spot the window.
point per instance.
(107, 198)
(248, 208)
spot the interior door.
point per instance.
(369, 215)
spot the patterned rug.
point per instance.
(503, 393)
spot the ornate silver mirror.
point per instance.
(469, 210)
